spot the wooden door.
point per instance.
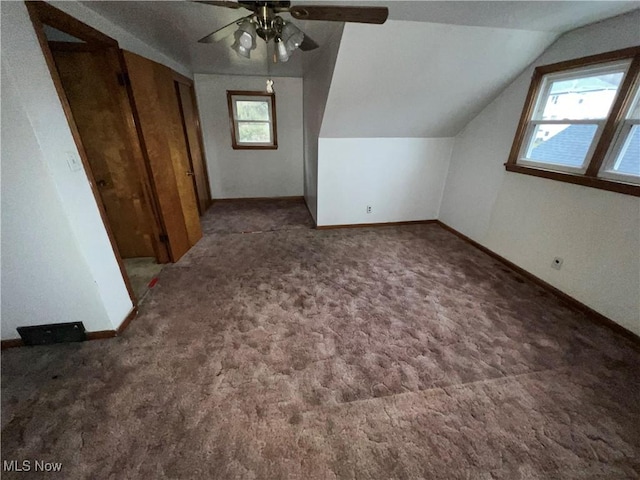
(159, 120)
(191, 126)
(101, 110)
(179, 152)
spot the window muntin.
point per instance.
(623, 159)
(570, 112)
(252, 119)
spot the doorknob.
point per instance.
(190, 174)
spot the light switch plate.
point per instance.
(73, 160)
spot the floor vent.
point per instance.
(53, 333)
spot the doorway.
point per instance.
(87, 67)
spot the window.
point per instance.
(252, 116)
(581, 123)
(623, 160)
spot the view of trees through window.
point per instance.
(253, 121)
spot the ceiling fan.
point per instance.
(265, 22)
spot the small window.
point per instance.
(581, 123)
(252, 116)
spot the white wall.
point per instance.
(45, 278)
(317, 81)
(400, 178)
(33, 95)
(392, 108)
(37, 288)
(530, 220)
(251, 173)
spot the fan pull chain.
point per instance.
(269, 87)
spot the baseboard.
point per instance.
(382, 224)
(13, 343)
(297, 198)
(567, 299)
(125, 323)
(99, 335)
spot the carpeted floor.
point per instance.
(141, 271)
(373, 353)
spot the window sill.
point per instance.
(593, 182)
(255, 147)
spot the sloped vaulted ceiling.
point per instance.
(417, 79)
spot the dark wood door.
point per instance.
(102, 112)
(191, 126)
(158, 112)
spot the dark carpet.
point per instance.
(293, 353)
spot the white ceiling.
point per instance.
(174, 27)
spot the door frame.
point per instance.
(42, 14)
(113, 65)
(177, 79)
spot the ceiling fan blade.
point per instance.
(221, 3)
(223, 32)
(377, 15)
(308, 44)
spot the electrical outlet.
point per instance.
(369, 209)
(557, 263)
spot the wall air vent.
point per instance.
(53, 333)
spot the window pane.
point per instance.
(254, 132)
(634, 112)
(252, 110)
(583, 98)
(566, 144)
(628, 161)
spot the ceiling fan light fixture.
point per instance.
(246, 34)
(245, 39)
(239, 48)
(292, 36)
(282, 53)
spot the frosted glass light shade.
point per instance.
(239, 48)
(282, 52)
(292, 37)
(245, 39)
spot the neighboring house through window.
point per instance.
(252, 118)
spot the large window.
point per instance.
(252, 117)
(581, 123)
